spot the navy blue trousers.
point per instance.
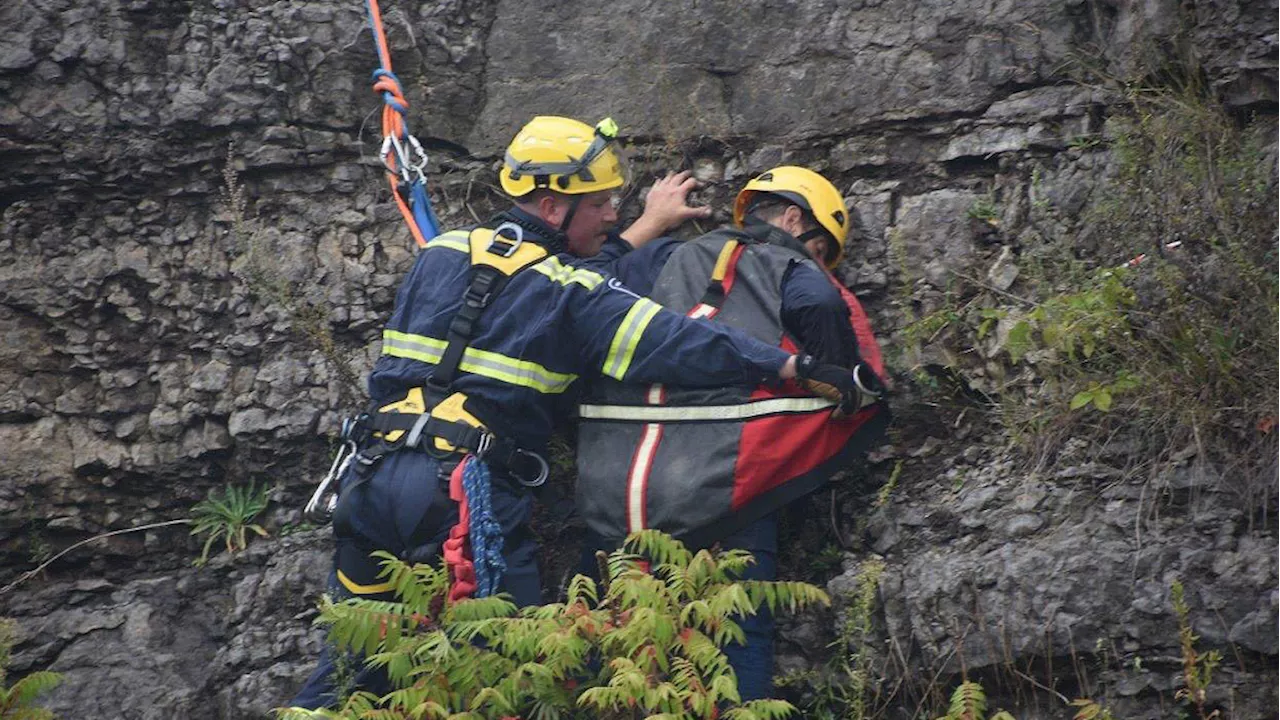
(753, 661)
(404, 508)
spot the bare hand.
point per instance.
(666, 206)
(668, 200)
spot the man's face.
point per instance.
(817, 247)
(591, 222)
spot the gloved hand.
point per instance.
(852, 390)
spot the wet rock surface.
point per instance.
(156, 343)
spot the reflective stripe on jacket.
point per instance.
(550, 325)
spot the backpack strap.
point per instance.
(721, 280)
(497, 255)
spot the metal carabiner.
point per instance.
(402, 164)
(323, 502)
(419, 167)
(543, 470)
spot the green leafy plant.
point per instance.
(846, 687)
(228, 517)
(17, 700)
(1197, 667)
(1150, 313)
(644, 643)
(969, 702)
(984, 209)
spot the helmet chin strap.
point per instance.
(568, 217)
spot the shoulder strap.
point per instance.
(717, 287)
(497, 255)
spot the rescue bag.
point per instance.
(702, 463)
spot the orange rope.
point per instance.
(392, 119)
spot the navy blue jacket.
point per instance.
(554, 322)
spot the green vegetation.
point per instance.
(969, 702)
(645, 643)
(846, 688)
(228, 517)
(17, 700)
(1197, 667)
(1155, 315)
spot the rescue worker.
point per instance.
(490, 328)
(704, 483)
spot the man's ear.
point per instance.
(550, 209)
(793, 220)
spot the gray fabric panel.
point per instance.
(692, 480)
(604, 457)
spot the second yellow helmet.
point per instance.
(808, 190)
(564, 155)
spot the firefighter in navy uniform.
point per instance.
(759, 277)
(490, 328)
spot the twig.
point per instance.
(1066, 700)
(31, 573)
(994, 289)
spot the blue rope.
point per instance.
(485, 532)
(422, 212)
(389, 98)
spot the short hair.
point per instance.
(770, 206)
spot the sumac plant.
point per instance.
(643, 643)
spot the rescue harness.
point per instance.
(441, 422)
(433, 418)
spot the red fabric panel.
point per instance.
(787, 446)
(867, 345)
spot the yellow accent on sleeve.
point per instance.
(566, 275)
(627, 337)
(493, 365)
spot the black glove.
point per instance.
(851, 390)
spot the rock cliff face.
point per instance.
(146, 360)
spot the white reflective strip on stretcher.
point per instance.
(703, 413)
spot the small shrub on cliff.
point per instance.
(16, 700)
(228, 517)
(1197, 667)
(643, 644)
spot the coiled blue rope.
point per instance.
(485, 532)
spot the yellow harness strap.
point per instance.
(722, 262)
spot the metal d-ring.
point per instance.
(543, 470)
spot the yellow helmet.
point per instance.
(810, 191)
(564, 155)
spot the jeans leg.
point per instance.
(753, 661)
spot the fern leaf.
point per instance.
(26, 690)
(968, 702)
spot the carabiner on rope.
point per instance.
(404, 163)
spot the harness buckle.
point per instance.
(483, 446)
(510, 249)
